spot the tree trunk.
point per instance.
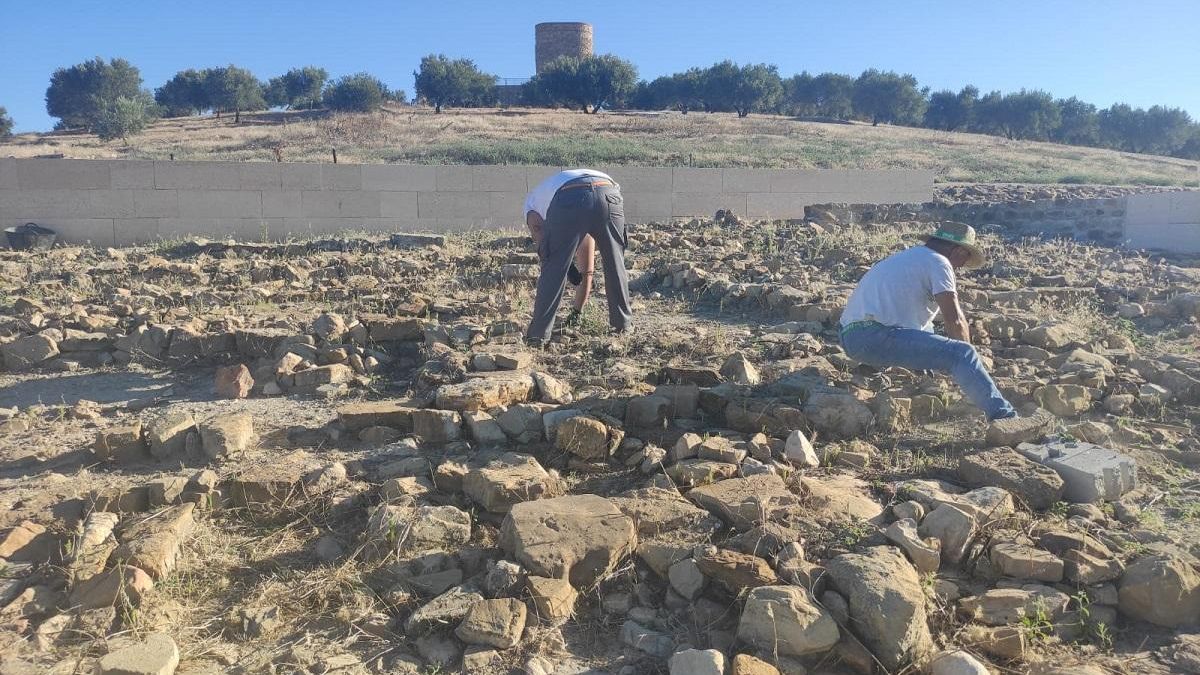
(237, 115)
(437, 107)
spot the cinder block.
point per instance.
(1146, 208)
(507, 207)
(500, 179)
(8, 173)
(155, 203)
(705, 204)
(1090, 472)
(340, 204)
(399, 177)
(777, 205)
(1184, 207)
(1176, 237)
(260, 176)
(37, 205)
(301, 176)
(199, 204)
(240, 229)
(745, 180)
(398, 205)
(453, 205)
(131, 174)
(132, 231)
(197, 176)
(642, 178)
(282, 204)
(455, 178)
(535, 174)
(311, 227)
(645, 207)
(95, 231)
(63, 174)
(466, 224)
(693, 180)
(341, 176)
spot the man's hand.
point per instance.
(952, 316)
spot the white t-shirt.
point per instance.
(539, 198)
(898, 290)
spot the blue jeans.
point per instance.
(882, 346)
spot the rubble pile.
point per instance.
(361, 468)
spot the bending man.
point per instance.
(888, 320)
(569, 215)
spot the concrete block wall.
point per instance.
(122, 202)
(1164, 220)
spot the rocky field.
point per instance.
(337, 457)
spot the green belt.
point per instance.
(858, 325)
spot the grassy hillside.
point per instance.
(571, 138)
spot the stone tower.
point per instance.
(553, 40)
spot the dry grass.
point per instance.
(492, 136)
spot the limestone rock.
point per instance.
(507, 480)
(734, 571)
(552, 390)
(437, 426)
(227, 436)
(1006, 606)
(1161, 590)
(657, 511)
(121, 583)
(1013, 431)
(155, 655)
(1027, 562)
(1064, 400)
(887, 604)
(121, 444)
(233, 381)
(743, 502)
(799, 450)
(587, 438)
(838, 414)
(498, 623)
(554, 599)
(1039, 486)
(956, 662)
(697, 662)
(168, 434)
(448, 608)
(953, 527)
(744, 664)
(485, 393)
(27, 352)
(581, 538)
(152, 543)
(925, 553)
(737, 368)
(784, 620)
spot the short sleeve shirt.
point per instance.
(540, 197)
(899, 290)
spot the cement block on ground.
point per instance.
(341, 176)
(220, 204)
(128, 174)
(1091, 472)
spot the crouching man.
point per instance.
(570, 215)
(888, 320)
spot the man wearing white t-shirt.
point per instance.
(570, 215)
(888, 320)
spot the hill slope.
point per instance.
(570, 138)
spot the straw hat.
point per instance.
(962, 235)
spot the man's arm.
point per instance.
(952, 316)
(533, 220)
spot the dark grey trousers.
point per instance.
(573, 213)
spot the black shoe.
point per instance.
(574, 275)
(535, 343)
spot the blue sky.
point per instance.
(1143, 53)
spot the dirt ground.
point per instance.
(704, 291)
